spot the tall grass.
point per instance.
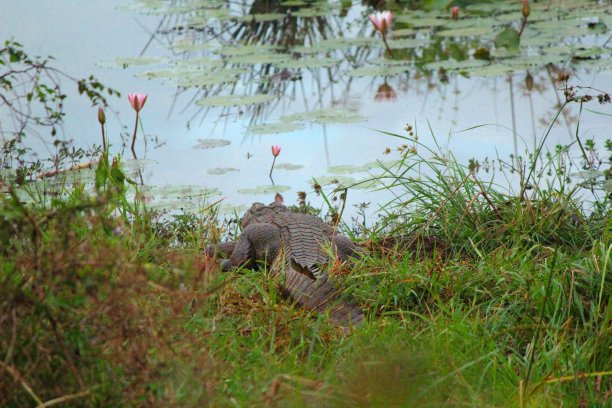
(475, 296)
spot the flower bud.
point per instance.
(526, 9)
(529, 82)
(101, 116)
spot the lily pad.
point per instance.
(464, 32)
(350, 168)
(288, 166)
(235, 100)
(414, 21)
(260, 58)
(508, 38)
(264, 190)
(248, 49)
(452, 65)
(309, 63)
(334, 180)
(211, 143)
(380, 70)
(333, 44)
(277, 127)
(217, 171)
(264, 17)
(336, 115)
(126, 62)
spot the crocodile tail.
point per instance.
(319, 295)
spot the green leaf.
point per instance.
(509, 38)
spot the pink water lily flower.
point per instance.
(276, 150)
(137, 100)
(381, 20)
(455, 13)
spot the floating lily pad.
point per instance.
(492, 70)
(174, 197)
(179, 191)
(350, 168)
(336, 115)
(309, 63)
(217, 171)
(248, 49)
(380, 70)
(288, 166)
(125, 62)
(534, 61)
(260, 58)
(211, 143)
(311, 12)
(235, 100)
(264, 190)
(464, 32)
(406, 43)
(452, 65)
(277, 127)
(333, 44)
(185, 44)
(508, 38)
(334, 180)
(403, 32)
(414, 21)
(264, 17)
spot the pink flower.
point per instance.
(455, 13)
(137, 101)
(276, 150)
(381, 20)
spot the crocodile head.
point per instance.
(258, 210)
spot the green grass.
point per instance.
(103, 303)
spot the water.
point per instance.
(88, 37)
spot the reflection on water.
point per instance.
(228, 79)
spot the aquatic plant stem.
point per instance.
(103, 138)
(523, 25)
(272, 168)
(134, 135)
(384, 38)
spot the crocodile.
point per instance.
(297, 248)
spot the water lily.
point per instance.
(385, 93)
(275, 152)
(455, 13)
(382, 21)
(137, 100)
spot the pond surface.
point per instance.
(226, 80)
